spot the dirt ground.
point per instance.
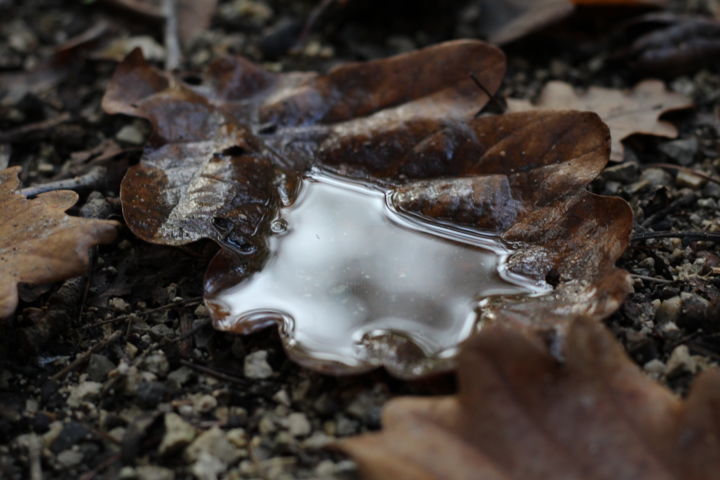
(153, 374)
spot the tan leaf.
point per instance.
(39, 243)
(576, 410)
(626, 113)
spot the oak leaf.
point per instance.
(527, 410)
(502, 21)
(39, 243)
(226, 155)
(637, 111)
(674, 45)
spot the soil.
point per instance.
(114, 374)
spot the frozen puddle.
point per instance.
(343, 265)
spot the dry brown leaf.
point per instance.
(626, 113)
(225, 153)
(39, 243)
(529, 411)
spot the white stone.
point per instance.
(256, 365)
(213, 441)
(178, 434)
(298, 424)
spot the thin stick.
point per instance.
(91, 179)
(102, 466)
(490, 96)
(670, 166)
(311, 21)
(34, 452)
(650, 279)
(214, 373)
(690, 236)
(173, 51)
(187, 301)
(82, 358)
(26, 131)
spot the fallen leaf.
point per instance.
(675, 44)
(526, 410)
(226, 155)
(39, 243)
(626, 113)
(64, 60)
(502, 21)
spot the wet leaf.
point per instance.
(575, 409)
(247, 123)
(39, 243)
(225, 156)
(626, 113)
(502, 21)
(64, 60)
(675, 44)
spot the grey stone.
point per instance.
(256, 365)
(69, 458)
(208, 467)
(98, 367)
(656, 177)
(682, 151)
(626, 172)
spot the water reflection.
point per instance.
(344, 265)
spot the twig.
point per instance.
(491, 97)
(102, 466)
(314, 16)
(34, 452)
(25, 131)
(689, 236)
(91, 179)
(109, 383)
(173, 55)
(650, 279)
(214, 373)
(187, 301)
(690, 171)
(82, 358)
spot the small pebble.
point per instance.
(668, 310)
(178, 434)
(130, 134)
(256, 365)
(153, 472)
(298, 424)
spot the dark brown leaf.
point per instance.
(577, 409)
(502, 21)
(676, 45)
(39, 243)
(227, 154)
